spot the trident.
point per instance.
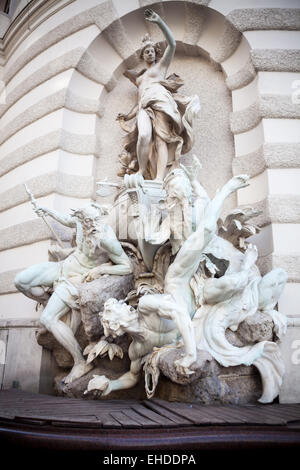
(34, 203)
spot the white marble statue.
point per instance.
(185, 202)
(164, 118)
(98, 252)
(161, 318)
(193, 276)
(226, 303)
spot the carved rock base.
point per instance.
(230, 385)
(211, 383)
(217, 385)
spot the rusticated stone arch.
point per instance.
(200, 32)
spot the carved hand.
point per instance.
(93, 274)
(151, 16)
(122, 117)
(99, 384)
(40, 211)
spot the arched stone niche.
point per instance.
(212, 57)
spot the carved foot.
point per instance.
(99, 385)
(182, 365)
(77, 371)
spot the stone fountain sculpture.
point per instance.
(159, 281)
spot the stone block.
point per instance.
(290, 350)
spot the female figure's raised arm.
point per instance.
(166, 59)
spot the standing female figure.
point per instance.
(163, 129)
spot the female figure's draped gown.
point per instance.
(171, 115)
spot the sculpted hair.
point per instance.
(146, 42)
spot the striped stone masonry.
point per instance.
(61, 78)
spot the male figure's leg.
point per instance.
(219, 289)
(144, 140)
(33, 280)
(51, 319)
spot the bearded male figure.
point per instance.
(97, 252)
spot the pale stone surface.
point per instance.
(237, 386)
(23, 354)
(258, 327)
(23, 234)
(264, 240)
(46, 163)
(282, 208)
(283, 130)
(243, 77)
(245, 119)
(226, 7)
(5, 22)
(286, 238)
(210, 383)
(278, 106)
(244, 97)
(273, 40)
(278, 60)
(45, 106)
(290, 348)
(290, 263)
(194, 22)
(36, 53)
(7, 281)
(269, 107)
(270, 155)
(249, 141)
(265, 19)
(252, 163)
(256, 191)
(21, 212)
(289, 302)
(58, 65)
(40, 186)
(284, 181)
(46, 184)
(26, 153)
(277, 83)
(50, 86)
(82, 105)
(282, 155)
(91, 69)
(228, 43)
(18, 257)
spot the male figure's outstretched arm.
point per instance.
(187, 260)
(63, 219)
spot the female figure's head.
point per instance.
(149, 54)
(150, 51)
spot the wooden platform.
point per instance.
(41, 421)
